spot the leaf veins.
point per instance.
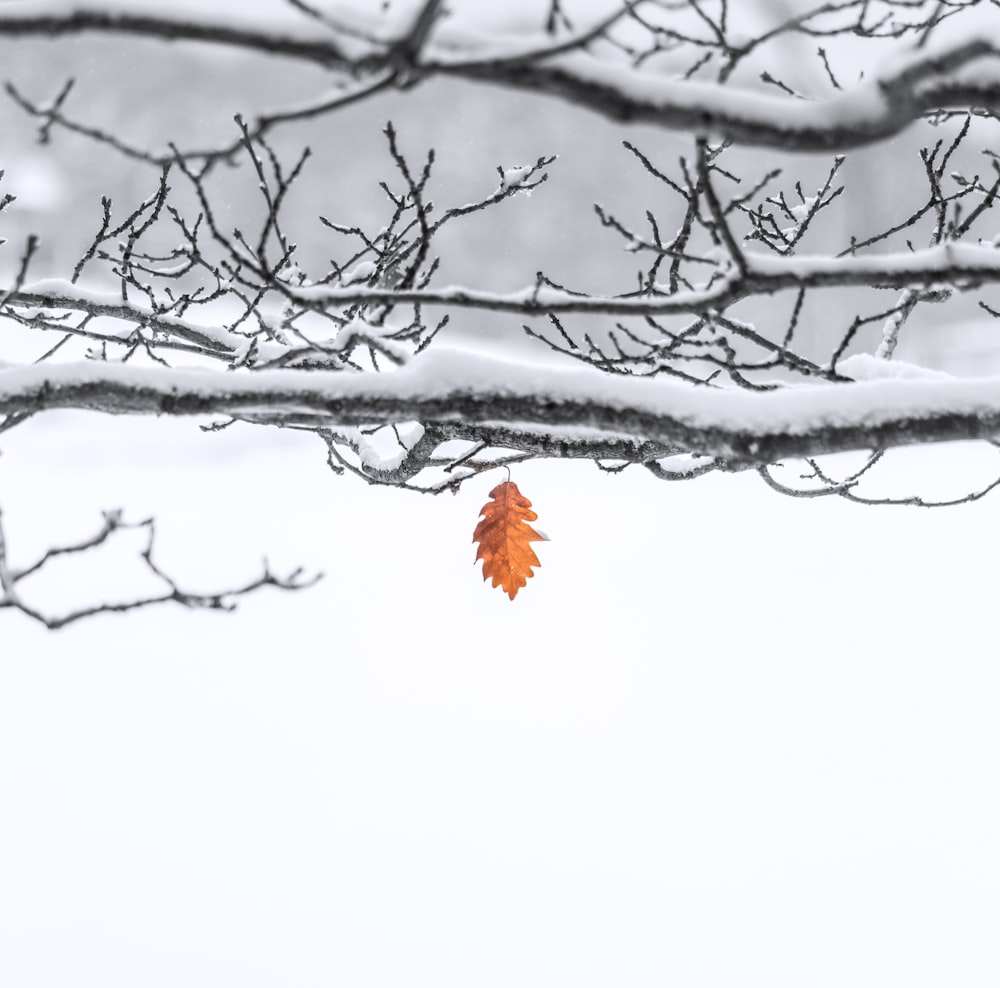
(505, 538)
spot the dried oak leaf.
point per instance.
(505, 538)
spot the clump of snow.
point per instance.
(511, 178)
(360, 331)
(385, 449)
(801, 211)
(360, 272)
(866, 367)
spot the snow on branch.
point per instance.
(970, 265)
(447, 386)
(319, 343)
(966, 265)
(872, 111)
(586, 67)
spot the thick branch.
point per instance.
(326, 50)
(928, 79)
(454, 386)
(867, 114)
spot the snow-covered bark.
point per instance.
(956, 68)
(460, 390)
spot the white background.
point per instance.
(722, 737)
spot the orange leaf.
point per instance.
(505, 538)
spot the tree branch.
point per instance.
(742, 428)
(226, 600)
(928, 79)
(969, 265)
(325, 51)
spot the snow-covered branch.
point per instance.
(965, 265)
(449, 386)
(873, 111)
(959, 71)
